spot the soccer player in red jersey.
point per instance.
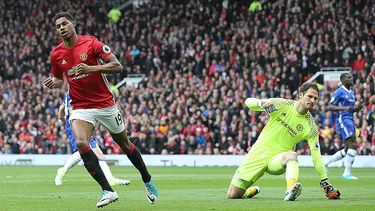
(78, 59)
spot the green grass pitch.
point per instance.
(28, 188)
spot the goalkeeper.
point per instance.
(290, 122)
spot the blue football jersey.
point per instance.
(343, 97)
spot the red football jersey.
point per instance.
(86, 90)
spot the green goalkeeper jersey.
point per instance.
(286, 127)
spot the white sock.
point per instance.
(105, 168)
(349, 161)
(72, 161)
(337, 156)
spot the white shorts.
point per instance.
(110, 118)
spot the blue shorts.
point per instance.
(347, 130)
(72, 140)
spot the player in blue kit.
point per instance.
(64, 111)
(343, 101)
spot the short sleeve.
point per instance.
(335, 99)
(101, 50)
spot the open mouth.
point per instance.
(64, 33)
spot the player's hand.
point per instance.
(83, 68)
(268, 106)
(48, 82)
(329, 191)
(357, 107)
(62, 119)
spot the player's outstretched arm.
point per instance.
(260, 105)
(329, 191)
(53, 82)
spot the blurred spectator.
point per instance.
(327, 148)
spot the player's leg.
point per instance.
(73, 160)
(351, 146)
(103, 164)
(83, 125)
(347, 132)
(235, 192)
(250, 170)
(339, 155)
(111, 118)
(287, 162)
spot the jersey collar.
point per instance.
(343, 87)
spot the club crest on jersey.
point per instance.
(299, 127)
(83, 56)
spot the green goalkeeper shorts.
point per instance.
(258, 161)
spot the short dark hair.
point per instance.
(66, 15)
(308, 85)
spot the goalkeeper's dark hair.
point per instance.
(308, 85)
(66, 15)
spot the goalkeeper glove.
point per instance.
(267, 106)
(329, 190)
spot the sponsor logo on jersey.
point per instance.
(299, 127)
(79, 76)
(291, 131)
(73, 71)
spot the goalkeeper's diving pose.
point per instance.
(290, 122)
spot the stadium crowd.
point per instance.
(201, 60)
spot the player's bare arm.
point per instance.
(356, 108)
(112, 65)
(61, 114)
(53, 82)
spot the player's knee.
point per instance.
(350, 144)
(290, 155)
(121, 139)
(127, 146)
(353, 147)
(81, 143)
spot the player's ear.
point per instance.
(300, 95)
(74, 23)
